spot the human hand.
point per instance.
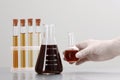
(97, 50)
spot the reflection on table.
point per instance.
(34, 76)
(67, 76)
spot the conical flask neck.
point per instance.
(49, 35)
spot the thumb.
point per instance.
(80, 61)
(83, 53)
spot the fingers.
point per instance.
(85, 44)
(83, 53)
(80, 61)
(82, 45)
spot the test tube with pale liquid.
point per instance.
(15, 43)
(37, 31)
(22, 43)
(37, 38)
(30, 43)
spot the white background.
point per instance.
(88, 19)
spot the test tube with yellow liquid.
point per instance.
(15, 43)
(37, 38)
(30, 43)
(22, 43)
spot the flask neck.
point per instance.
(49, 35)
(71, 39)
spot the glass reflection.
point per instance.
(23, 76)
(33, 76)
(15, 76)
(49, 77)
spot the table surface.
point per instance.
(6, 74)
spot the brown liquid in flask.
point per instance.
(49, 60)
(70, 53)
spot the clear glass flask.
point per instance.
(70, 53)
(49, 60)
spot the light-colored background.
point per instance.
(96, 19)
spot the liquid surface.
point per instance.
(49, 60)
(70, 55)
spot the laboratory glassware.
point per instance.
(69, 54)
(49, 60)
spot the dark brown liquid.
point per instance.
(70, 55)
(49, 60)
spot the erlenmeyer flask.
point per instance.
(49, 60)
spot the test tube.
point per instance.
(38, 21)
(22, 43)
(15, 43)
(37, 39)
(30, 43)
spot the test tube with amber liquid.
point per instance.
(37, 38)
(22, 43)
(15, 43)
(30, 43)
